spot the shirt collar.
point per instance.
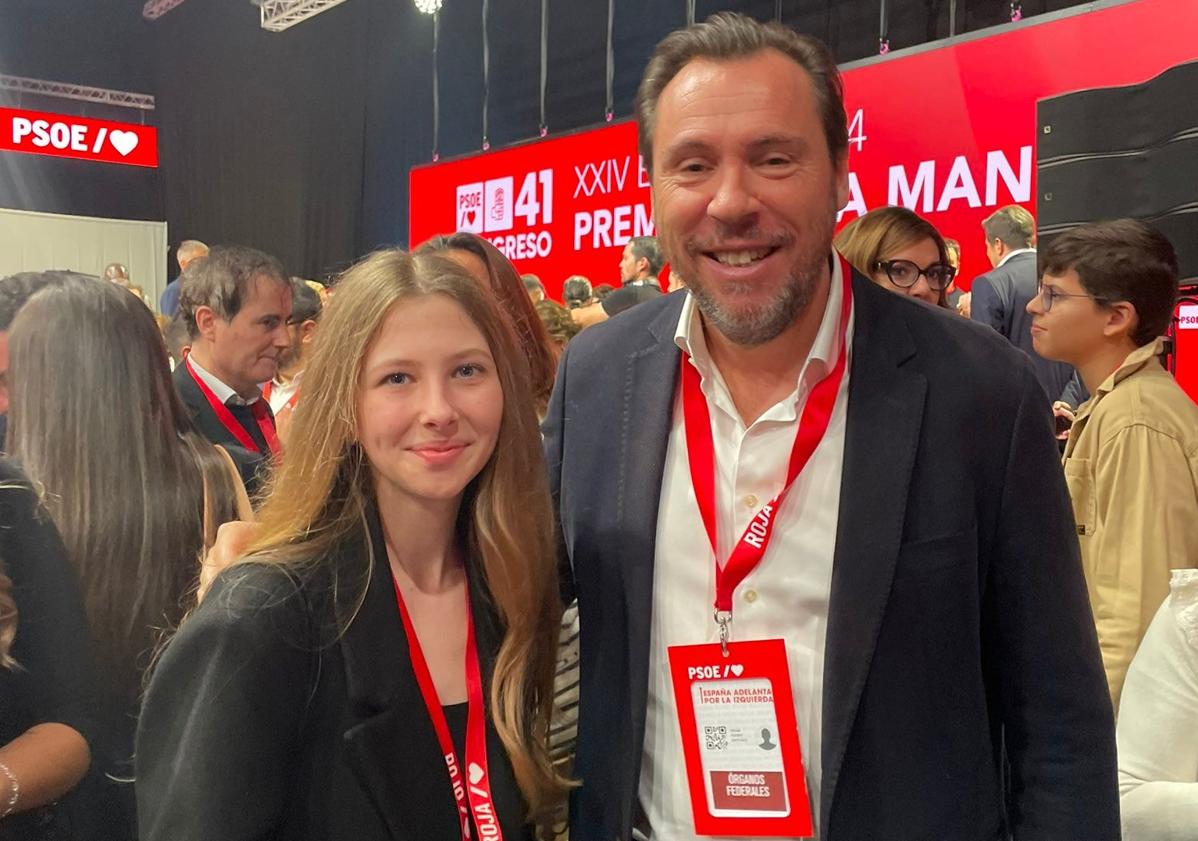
(291, 383)
(223, 393)
(1133, 363)
(690, 339)
(1014, 253)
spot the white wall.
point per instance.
(34, 242)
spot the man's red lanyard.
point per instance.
(265, 422)
(268, 390)
(472, 785)
(813, 424)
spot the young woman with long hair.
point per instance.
(136, 494)
(380, 665)
(487, 264)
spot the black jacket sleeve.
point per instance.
(1042, 649)
(223, 716)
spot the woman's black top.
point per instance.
(262, 721)
(54, 680)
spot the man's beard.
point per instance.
(750, 328)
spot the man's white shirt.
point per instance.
(786, 596)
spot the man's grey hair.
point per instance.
(221, 281)
(727, 36)
(576, 291)
(188, 250)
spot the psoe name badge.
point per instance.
(740, 739)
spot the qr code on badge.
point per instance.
(717, 737)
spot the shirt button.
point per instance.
(750, 501)
(750, 596)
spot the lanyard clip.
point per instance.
(723, 619)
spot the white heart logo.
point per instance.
(737, 670)
(123, 141)
(476, 773)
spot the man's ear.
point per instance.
(206, 319)
(307, 331)
(1122, 319)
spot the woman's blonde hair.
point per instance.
(883, 232)
(321, 491)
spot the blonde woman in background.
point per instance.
(899, 251)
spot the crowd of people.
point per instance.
(425, 554)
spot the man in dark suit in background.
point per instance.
(188, 250)
(925, 583)
(999, 298)
(236, 302)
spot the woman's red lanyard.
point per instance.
(265, 422)
(813, 424)
(268, 390)
(472, 785)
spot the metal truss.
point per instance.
(278, 15)
(82, 93)
(155, 9)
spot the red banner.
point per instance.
(78, 137)
(949, 132)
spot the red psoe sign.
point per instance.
(63, 136)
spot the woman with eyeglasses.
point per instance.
(899, 251)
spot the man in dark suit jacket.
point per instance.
(1000, 297)
(946, 660)
(236, 302)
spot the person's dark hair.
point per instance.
(952, 250)
(305, 302)
(124, 476)
(726, 36)
(603, 290)
(176, 337)
(532, 282)
(221, 280)
(1013, 225)
(17, 289)
(647, 248)
(1122, 260)
(508, 288)
(576, 291)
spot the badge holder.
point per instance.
(740, 739)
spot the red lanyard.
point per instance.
(269, 388)
(472, 791)
(813, 424)
(265, 422)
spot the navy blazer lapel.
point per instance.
(885, 413)
(650, 382)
